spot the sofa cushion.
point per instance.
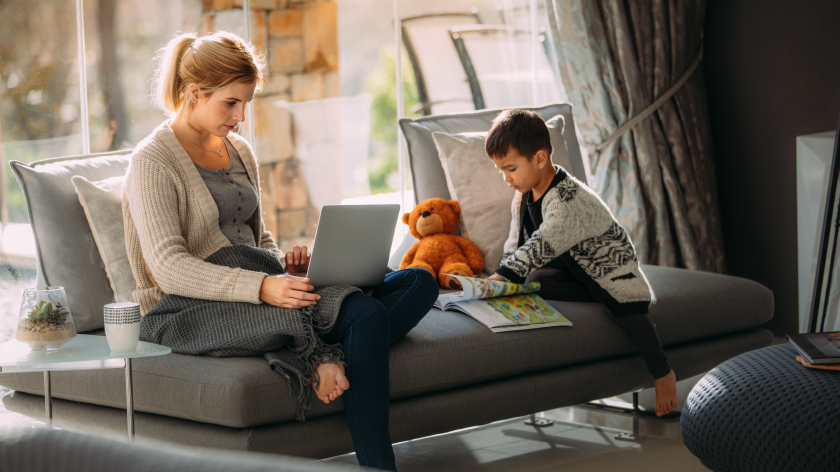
(102, 202)
(446, 350)
(65, 247)
(427, 174)
(479, 187)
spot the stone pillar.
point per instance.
(300, 40)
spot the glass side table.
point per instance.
(83, 353)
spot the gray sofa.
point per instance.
(450, 372)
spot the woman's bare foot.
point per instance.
(666, 393)
(333, 382)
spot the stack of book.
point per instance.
(817, 349)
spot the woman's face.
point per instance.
(221, 111)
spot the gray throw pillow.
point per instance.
(67, 252)
(426, 172)
(476, 183)
(102, 202)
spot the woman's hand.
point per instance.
(297, 260)
(497, 277)
(287, 291)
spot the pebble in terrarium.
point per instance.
(45, 321)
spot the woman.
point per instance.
(192, 193)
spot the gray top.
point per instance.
(234, 195)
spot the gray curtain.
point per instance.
(617, 57)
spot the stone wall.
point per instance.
(300, 40)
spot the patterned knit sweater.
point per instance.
(579, 228)
(172, 222)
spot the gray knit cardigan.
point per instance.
(577, 224)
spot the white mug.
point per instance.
(122, 326)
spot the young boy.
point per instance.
(564, 236)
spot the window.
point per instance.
(323, 129)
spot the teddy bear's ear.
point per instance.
(455, 206)
(405, 217)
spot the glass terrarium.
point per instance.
(45, 322)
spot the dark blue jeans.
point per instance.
(366, 327)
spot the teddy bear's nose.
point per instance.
(425, 214)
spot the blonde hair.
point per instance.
(213, 62)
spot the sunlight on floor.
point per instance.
(582, 439)
(568, 446)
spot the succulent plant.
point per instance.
(44, 312)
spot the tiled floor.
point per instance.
(581, 439)
(568, 445)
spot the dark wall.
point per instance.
(772, 73)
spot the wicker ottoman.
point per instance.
(763, 411)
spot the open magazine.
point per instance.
(502, 306)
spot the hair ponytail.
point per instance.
(168, 83)
(213, 62)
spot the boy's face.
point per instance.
(521, 173)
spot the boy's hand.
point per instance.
(497, 277)
(297, 260)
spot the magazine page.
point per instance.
(513, 312)
(475, 288)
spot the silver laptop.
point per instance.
(352, 245)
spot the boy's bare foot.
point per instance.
(333, 382)
(666, 393)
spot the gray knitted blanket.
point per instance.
(287, 338)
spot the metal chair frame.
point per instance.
(422, 92)
(469, 69)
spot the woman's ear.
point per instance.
(405, 217)
(194, 92)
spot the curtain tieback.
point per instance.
(649, 109)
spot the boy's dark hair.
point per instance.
(522, 130)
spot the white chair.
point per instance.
(497, 61)
(442, 84)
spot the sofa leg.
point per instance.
(129, 400)
(541, 422)
(634, 436)
(48, 400)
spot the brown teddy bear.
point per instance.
(438, 250)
